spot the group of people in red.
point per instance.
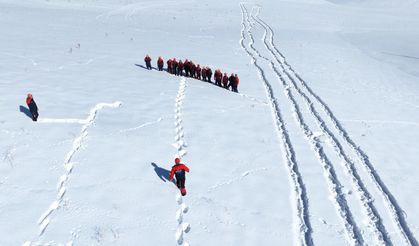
(190, 69)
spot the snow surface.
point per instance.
(320, 146)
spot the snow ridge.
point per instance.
(365, 197)
(180, 145)
(45, 218)
(302, 226)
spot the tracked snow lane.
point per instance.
(302, 227)
(365, 198)
(391, 202)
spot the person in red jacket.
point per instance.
(147, 60)
(33, 108)
(193, 69)
(218, 76)
(180, 68)
(174, 66)
(179, 170)
(237, 82)
(187, 67)
(204, 73)
(169, 66)
(160, 63)
(198, 72)
(225, 81)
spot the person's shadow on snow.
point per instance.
(162, 173)
(141, 66)
(25, 110)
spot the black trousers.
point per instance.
(148, 64)
(180, 183)
(34, 116)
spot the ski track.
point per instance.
(302, 227)
(365, 197)
(180, 145)
(375, 221)
(45, 219)
(352, 231)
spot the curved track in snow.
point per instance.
(341, 145)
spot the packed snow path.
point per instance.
(45, 218)
(344, 150)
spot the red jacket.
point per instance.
(218, 74)
(147, 59)
(177, 168)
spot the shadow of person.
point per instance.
(162, 173)
(25, 110)
(141, 66)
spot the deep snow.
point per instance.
(320, 146)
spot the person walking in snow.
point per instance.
(186, 66)
(193, 69)
(174, 66)
(147, 60)
(179, 170)
(234, 82)
(160, 63)
(218, 76)
(237, 82)
(225, 81)
(209, 74)
(198, 72)
(204, 73)
(33, 108)
(169, 65)
(180, 68)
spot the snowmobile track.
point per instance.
(365, 197)
(395, 210)
(334, 185)
(301, 219)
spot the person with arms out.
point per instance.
(179, 170)
(33, 108)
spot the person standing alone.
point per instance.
(33, 108)
(179, 170)
(147, 60)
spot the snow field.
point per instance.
(314, 150)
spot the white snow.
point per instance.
(318, 148)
